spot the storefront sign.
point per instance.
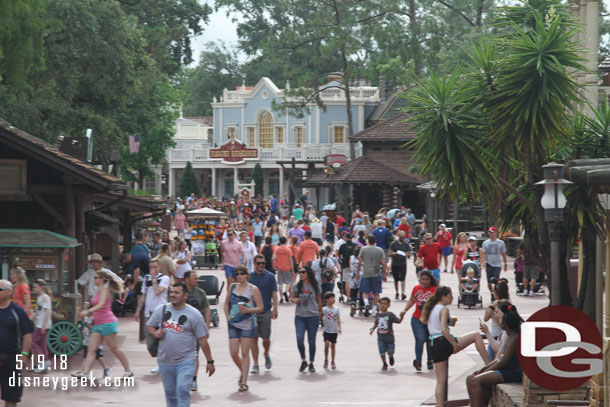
(335, 160)
(47, 263)
(233, 152)
(245, 194)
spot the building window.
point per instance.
(265, 130)
(338, 134)
(231, 133)
(298, 136)
(150, 185)
(280, 135)
(251, 136)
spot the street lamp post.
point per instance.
(554, 201)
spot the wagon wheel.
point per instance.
(64, 338)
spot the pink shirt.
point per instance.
(180, 221)
(103, 315)
(232, 252)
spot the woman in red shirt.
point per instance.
(461, 244)
(419, 295)
(404, 226)
(21, 289)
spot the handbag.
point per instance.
(152, 343)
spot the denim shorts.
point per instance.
(437, 274)
(229, 271)
(446, 250)
(106, 329)
(385, 347)
(370, 284)
(241, 333)
(510, 375)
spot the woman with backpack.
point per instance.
(306, 294)
(325, 270)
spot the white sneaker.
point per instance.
(531, 293)
(155, 370)
(525, 292)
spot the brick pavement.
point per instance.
(357, 380)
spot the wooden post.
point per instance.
(599, 283)
(607, 331)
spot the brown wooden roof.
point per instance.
(394, 170)
(393, 129)
(50, 155)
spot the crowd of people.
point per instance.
(274, 253)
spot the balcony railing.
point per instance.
(308, 152)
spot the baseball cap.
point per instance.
(442, 225)
(348, 236)
(492, 229)
(472, 238)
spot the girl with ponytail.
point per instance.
(105, 323)
(442, 343)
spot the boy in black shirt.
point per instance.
(384, 321)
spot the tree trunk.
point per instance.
(479, 21)
(348, 102)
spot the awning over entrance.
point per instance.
(35, 238)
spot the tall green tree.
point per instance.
(98, 75)
(219, 68)
(188, 182)
(257, 177)
(168, 27)
(21, 49)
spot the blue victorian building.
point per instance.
(246, 129)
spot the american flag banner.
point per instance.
(134, 144)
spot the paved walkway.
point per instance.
(358, 380)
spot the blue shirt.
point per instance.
(8, 327)
(141, 261)
(266, 285)
(396, 223)
(381, 235)
(273, 204)
(258, 228)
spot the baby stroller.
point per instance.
(121, 306)
(471, 298)
(538, 286)
(209, 284)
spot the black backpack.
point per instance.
(327, 273)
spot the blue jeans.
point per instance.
(177, 383)
(420, 331)
(309, 324)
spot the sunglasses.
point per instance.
(4, 289)
(302, 271)
(428, 238)
(261, 262)
(241, 274)
(96, 277)
(229, 234)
